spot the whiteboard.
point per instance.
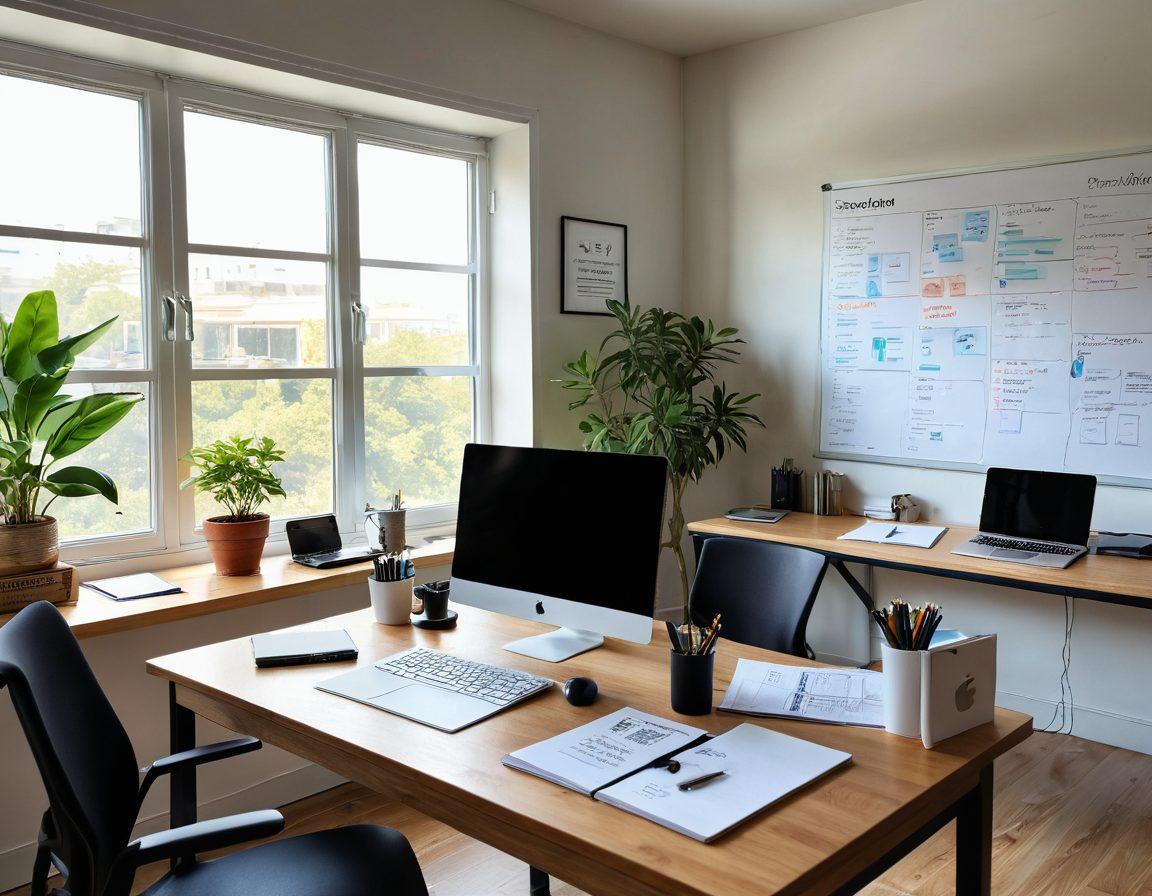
(995, 317)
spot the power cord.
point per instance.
(1066, 708)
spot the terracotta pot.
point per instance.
(236, 545)
(29, 547)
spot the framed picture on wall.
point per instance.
(593, 265)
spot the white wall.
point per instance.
(606, 128)
(929, 86)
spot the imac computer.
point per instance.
(570, 538)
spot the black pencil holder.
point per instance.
(692, 683)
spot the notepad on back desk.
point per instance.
(904, 534)
(133, 587)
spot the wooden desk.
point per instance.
(832, 838)
(1117, 580)
(206, 593)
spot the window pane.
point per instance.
(92, 284)
(123, 453)
(415, 429)
(415, 317)
(70, 158)
(413, 206)
(296, 413)
(241, 302)
(255, 185)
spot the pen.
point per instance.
(893, 532)
(699, 782)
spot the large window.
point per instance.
(276, 269)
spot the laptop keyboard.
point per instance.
(493, 684)
(1016, 544)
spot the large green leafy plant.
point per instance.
(41, 425)
(653, 386)
(237, 473)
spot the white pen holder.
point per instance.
(901, 689)
(391, 601)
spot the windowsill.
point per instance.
(206, 593)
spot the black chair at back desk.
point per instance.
(764, 590)
(94, 793)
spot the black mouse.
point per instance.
(580, 691)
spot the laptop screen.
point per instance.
(313, 535)
(1038, 505)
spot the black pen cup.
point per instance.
(435, 603)
(692, 683)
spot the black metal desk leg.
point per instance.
(182, 787)
(974, 839)
(537, 882)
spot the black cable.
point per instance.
(1066, 707)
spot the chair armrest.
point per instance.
(202, 836)
(196, 756)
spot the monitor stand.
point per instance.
(557, 645)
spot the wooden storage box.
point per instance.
(58, 585)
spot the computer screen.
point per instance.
(313, 535)
(577, 525)
(1038, 505)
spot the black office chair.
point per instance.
(764, 590)
(94, 794)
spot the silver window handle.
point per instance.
(186, 304)
(168, 315)
(360, 320)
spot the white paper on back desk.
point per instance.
(760, 767)
(839, 695)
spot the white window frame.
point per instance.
(164, 276)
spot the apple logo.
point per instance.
(540, 607)
(965, 694)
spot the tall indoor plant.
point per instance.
(654, 390)
(41, 426)
(237, 473)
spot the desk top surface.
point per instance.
(803, 844)
(1101, 575)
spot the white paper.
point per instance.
(1111, 431)
(1032, 327)
(957, 252)
(870, 257)
(906, 534)
(863, 410)
(1114, 243)
(945, 420)
(818, 694)
(1034, 247)
(593, 755)
(760, 767)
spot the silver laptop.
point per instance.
(437, 689)
(1033, 517)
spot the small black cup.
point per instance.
(435, 604)
(692, 683)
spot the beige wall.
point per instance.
(606, 143)
(925, 87)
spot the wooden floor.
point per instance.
(1073, 818)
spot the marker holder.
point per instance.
(692, 682)
(391, 601)
(901, 690)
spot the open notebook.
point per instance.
(621, 760)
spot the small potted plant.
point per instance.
(39, 427)
(237, 473)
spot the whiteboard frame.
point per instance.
(827, 190)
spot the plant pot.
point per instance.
(29, 547)
(236, 544)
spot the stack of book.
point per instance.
(827, 493)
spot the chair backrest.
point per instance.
(764, 590)
(83, 752)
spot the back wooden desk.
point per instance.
(831, 838)
(1117, 580)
